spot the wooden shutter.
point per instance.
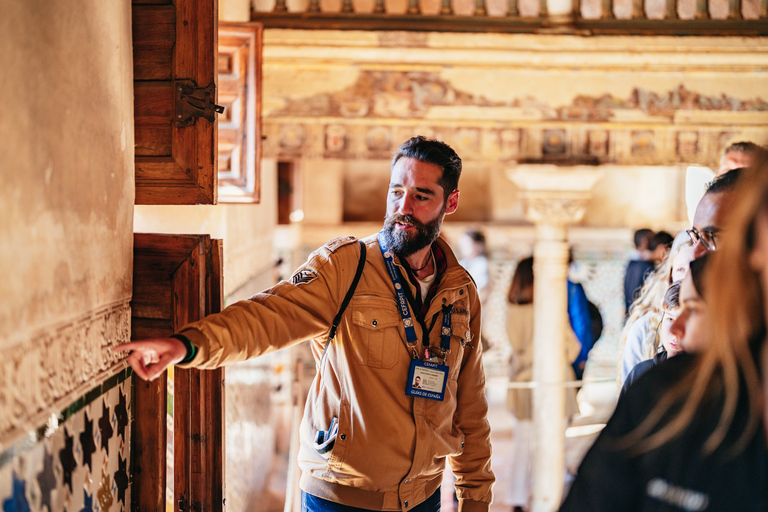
(174, 47)
(176, 280)
(239, 127)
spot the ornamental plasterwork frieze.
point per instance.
(57, 365)
(381, 107)
(505, 142)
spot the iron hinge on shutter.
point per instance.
(193, 102)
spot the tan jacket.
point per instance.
(391, 448)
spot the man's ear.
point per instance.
(452, 203)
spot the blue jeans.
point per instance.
(311, 503)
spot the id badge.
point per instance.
(427, 380)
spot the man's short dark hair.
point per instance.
(660, 238)
(725, 182)
(746, 147)
(641, 235)
(435, 152)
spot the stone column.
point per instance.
(555, 197)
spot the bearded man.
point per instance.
(370, 439)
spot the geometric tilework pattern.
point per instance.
(79, 461)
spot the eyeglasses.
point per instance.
(706, 237)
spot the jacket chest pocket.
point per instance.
(376, 339)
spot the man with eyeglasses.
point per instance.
(711, 211)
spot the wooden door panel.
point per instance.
(177, 280)
(154, 36)
(153, 106)
(173, 44)
(199, 405)
(148, 444)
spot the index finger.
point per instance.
(124, 347)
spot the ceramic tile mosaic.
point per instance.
(79, 461)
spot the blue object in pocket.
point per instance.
(324, 439)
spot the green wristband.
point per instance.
(191, 349)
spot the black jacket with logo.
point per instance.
(676, 476)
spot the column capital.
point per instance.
(555, 194)
(555, 209)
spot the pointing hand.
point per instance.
(150, 357)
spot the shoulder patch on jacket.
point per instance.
(338, 242)
(303, 276)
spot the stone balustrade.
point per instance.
(727, 17)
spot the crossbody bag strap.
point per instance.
(348, 297)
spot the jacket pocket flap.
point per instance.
(375, 314)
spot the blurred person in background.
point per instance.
(473, 255)
(639, 266)
(741, 154)
(581, 317)
(659, 246)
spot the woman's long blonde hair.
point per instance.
(738, 329)
(651, 301)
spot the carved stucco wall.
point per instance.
(636, 103)
(66, 203)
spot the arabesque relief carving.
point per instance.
(55, 366)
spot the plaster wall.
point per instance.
(66, 204)
(66, 200)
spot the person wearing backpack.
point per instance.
(380, 312)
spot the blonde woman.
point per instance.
(639, 338)
(691, 433)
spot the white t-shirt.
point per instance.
(425, 283)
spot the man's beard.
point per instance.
(404, 244)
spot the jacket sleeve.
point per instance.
(290, 312)
(472, 466)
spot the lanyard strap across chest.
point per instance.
(402, 300)
(445, 331)
(402, 303)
